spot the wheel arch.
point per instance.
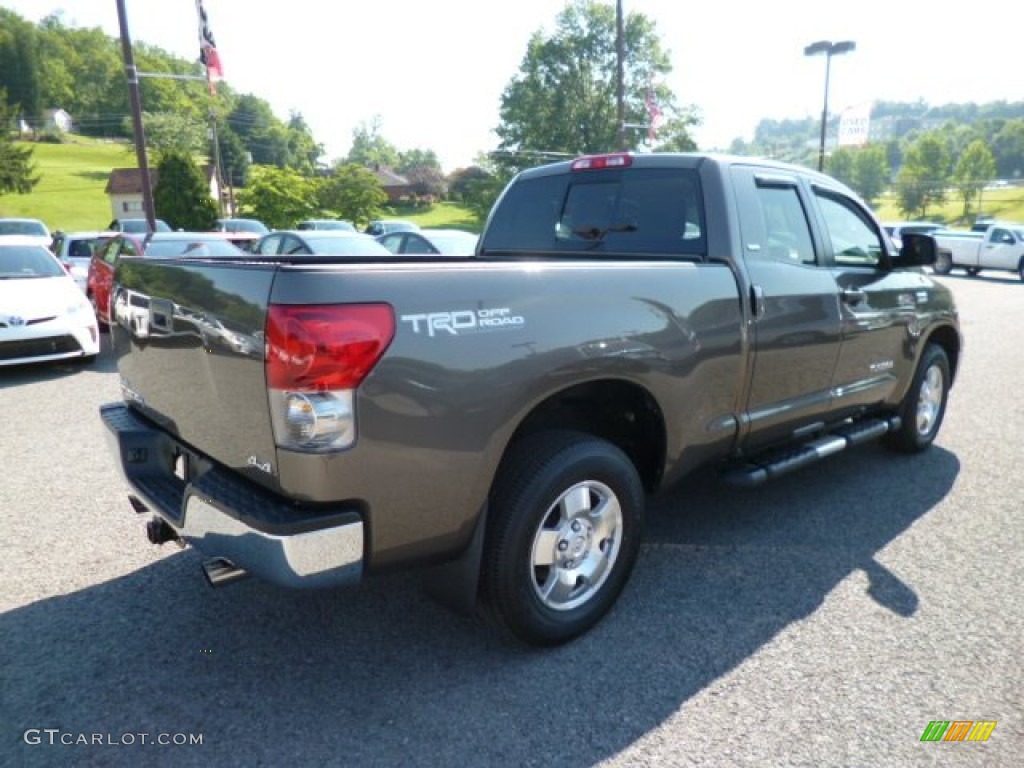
(949, 339)
(621, 412)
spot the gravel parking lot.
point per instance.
(823, 620)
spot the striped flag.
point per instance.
(654, 115)
(208, 49)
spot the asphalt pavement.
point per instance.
(822, 620)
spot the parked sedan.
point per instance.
(43, 314)
(32, 228)
(320, 242)
(137, 226)
(384, 226)
(74, 250)
(154, 245)
(447, 242)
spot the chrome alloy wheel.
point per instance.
(929, 401)
(576, 545)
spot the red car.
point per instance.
(155, 245)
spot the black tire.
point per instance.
(924, 406)
(943, 263)
(576, 501)
(973, 271)
(1020, 269)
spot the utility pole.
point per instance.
(620, 57)
(217, 170)
(136, 106)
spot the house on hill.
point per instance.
(396, 187)
(124, 188)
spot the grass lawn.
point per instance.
(445, 215)
(69, 194)
(1006, 204)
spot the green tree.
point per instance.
(182, 196)
(973, 171)
(279, 197)
(234, 157)
(354, 193)
(1008, 149)
(417, 158)
(16, 167)
(370, 149)
(923, 179)
(303, 149)
(564, 97)
(19, 71)
(840, 165)
(172, 132)
(870, 172)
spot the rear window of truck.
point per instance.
(650, 212)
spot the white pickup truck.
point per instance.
(1001, 246)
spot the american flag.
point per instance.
(208, 48)
(654, 115)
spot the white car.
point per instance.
(31, 228)
(43, 314)
(74, 250)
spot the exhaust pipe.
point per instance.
(220, 572)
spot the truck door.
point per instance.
(878, 306)
(795, 308)
(1001, 250)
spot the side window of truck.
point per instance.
(855, 241)
(773, 219)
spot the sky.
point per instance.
(433, 72)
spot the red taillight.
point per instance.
(597, 162)
(325, 347)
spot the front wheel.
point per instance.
(925, 404)
(563, 534)
(943, 263)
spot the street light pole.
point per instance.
(830, 49)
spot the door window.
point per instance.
(855, 240)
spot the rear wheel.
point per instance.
(943, 263)
(925, 404)
(563, 533)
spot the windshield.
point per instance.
(27, 261)
(16, 227)
(197, 248)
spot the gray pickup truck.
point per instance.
(499, 420)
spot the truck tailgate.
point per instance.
(189, 341)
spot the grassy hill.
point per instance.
(70, 194)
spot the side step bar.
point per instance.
(764, 467)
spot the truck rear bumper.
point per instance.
(225, 516)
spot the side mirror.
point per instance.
(917, 250)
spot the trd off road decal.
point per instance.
(464, 321)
